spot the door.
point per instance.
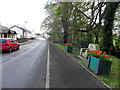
(12, 44)
(15, 44)
(5, 35)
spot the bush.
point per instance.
(22, 40)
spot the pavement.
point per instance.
(65, 72)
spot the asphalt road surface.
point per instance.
(65, 72)
(25, 68)
(29, 68)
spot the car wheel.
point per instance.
(10, 50)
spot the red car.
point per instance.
(7, 44)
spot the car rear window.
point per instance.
(2, 41)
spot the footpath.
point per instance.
(65, 72)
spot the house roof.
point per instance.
(23, 29)
(14, 32)
(4, 29)
(29, 31)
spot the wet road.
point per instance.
(29, 68)
(25, 68)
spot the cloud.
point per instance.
(19, 11)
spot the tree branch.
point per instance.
(82, 13)
(94, 22)
(84, 30)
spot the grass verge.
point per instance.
(112, 79)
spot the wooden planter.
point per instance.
(99, 67)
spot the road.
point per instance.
(41, 64)
(25, 68)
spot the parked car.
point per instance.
(8, 44)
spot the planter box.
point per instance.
(68, 49)
(99, 67)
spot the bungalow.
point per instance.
(28, 34)
(21, 32)
(5, 32)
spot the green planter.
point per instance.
(68, 49)
(99, 67)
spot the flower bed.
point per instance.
(99, 62)
(99, 54)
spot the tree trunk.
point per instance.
(64, 20)
(108, 24)
(65, 37)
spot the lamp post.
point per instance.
(25, 23)
(24, 28)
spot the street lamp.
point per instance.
(24, 23)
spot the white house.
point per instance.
(21, 32)
(18, 31)
(5, 32)
(33, 34)
(28, 34)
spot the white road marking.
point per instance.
(48, 70)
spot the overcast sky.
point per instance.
(14, 12)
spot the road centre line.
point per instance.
(48, 69)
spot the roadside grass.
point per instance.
(112, 79)
(61, 46)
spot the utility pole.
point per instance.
(25, 23)
(24, 28)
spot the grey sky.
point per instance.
(14, 12)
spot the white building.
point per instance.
(33, 34)
(18, 31)
(21, 32)
(28, 34)
(5, 32)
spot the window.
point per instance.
(2, 41)
(15, 41)
(10, 40)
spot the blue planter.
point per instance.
(99, 67)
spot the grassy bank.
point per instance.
(112, 79)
